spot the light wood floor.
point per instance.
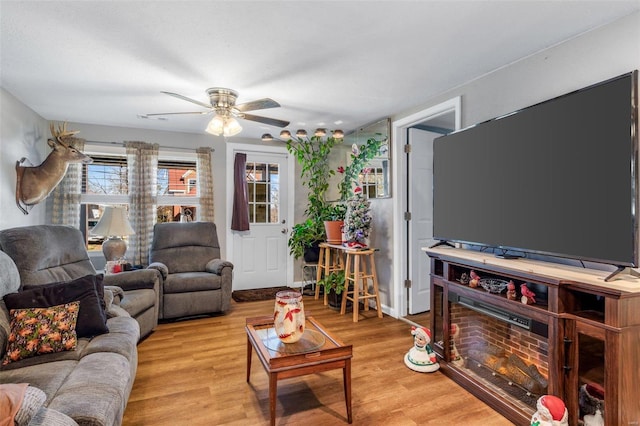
(193, 372)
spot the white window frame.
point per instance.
(123, 199)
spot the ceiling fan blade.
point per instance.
(265, 120)
(178, 113)
(202, 104)
(257, 104)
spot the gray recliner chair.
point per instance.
(55, 253)
(195, 280)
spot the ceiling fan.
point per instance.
(223, 105)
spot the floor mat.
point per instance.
(257, 294)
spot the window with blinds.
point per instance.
(105, 182)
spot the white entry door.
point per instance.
(420, 227)
(260, 255)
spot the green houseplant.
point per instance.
(333, 285)
(333, 217)
(357, 222)
(313, 156)
(360, 157)
(304, 238)
(333, 281)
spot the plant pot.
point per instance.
(312, 254)
(333, 229)
(335, 300)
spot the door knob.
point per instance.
(284, 230)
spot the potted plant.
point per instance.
(313, 156)
(333, 217)
(304, 239)
(333, 285)
(360, 157)
(357, 222)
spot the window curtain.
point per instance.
(205, 184)
(142, 164)
(64, 202)
(240, 216)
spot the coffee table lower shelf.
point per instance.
(331, 355)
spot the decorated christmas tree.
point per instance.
(357, 222)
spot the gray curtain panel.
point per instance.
(142, 163)
(205, 185)
(63, 205)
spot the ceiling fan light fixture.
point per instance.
(216, 126)
(231, 127)
(285, 134)
(225, 126)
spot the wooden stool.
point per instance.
(330, 259)
(357, 272)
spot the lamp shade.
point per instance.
(216, 126)
(221, 125)
(231, 127)
(114, 222)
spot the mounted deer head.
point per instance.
(34, 184)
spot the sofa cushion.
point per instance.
(47, 376)
(188, 282)
(36, 331)
(122, 338)
(137, 301)
(91, 319)
(47, 253)
(96, 391)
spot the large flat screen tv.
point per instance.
(557, 178)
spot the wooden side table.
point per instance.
(281, 361)
(330, 259)
(360, 267)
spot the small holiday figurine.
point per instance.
(421, 357)
(475, 279)
(528, 297)
(464, 278)
(511, 291)
(551, 412)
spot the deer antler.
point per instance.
(61, 132)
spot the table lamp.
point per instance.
(113, 224)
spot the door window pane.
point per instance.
(263, 192)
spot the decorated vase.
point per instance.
(288, 316)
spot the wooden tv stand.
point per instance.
(591, 330)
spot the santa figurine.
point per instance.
(421, 357)
(551, 412)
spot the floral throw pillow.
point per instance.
(37, 331)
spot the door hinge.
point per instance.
(407, 216)
(407, 283)
(407, 148)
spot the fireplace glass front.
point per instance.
(505, 352)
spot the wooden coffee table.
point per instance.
(316, 352)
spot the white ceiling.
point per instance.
(334, 64)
